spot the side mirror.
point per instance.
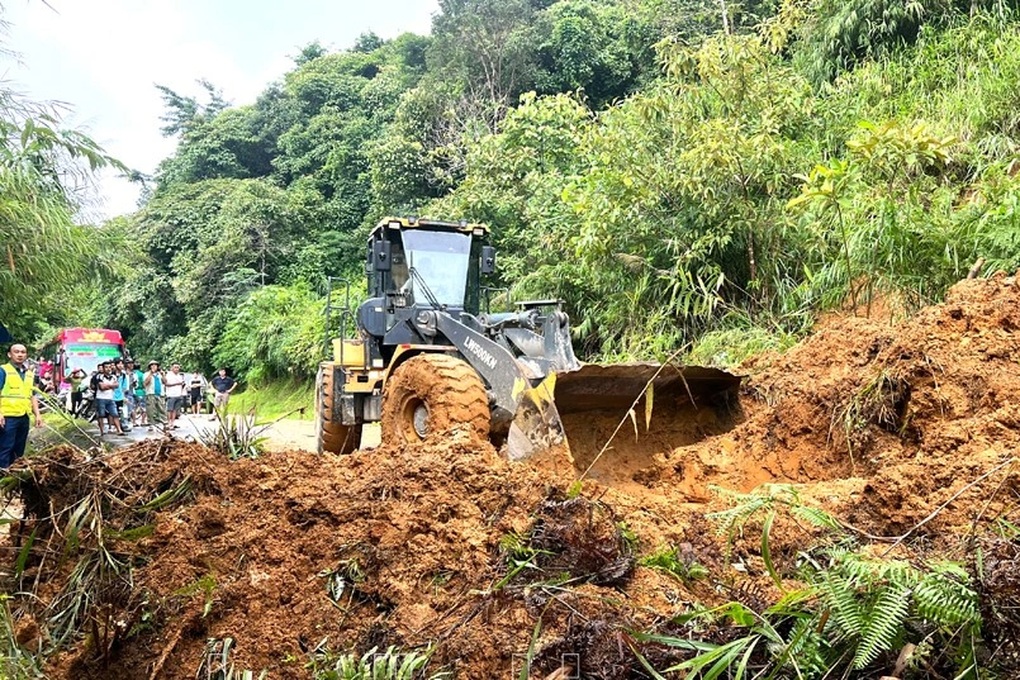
(488, 260)
(381, 256)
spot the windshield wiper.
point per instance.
(429, 296)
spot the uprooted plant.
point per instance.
(81, 520)
(881, 401)
(571, 541)
(239, 436)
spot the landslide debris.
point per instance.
(882, 423)
(141, 562)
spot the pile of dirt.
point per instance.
(293, 552)
(883, 424)
(897, 430)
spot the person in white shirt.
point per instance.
(106, 408)
(196, 388)
(176, 396)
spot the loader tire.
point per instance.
(431, 395)
(331, 436)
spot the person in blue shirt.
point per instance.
(122, 395)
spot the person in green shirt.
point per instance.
(77, 382)
(155, 395)
(141, 417)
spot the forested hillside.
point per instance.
(684, 173)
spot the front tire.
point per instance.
(431, 395)
(331, 436)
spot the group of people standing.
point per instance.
(124, 394)
(127, 396)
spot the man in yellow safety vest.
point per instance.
(17, 400)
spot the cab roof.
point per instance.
(426, 223)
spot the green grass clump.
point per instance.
(392, 664)
(282, 398)
(730, 347)
(670, 561)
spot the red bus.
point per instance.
(82, 348)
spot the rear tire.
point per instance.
(331, 436)
(430, 395)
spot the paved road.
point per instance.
(281, 435)
(189, 428)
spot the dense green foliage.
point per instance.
(731, 194)
(683, 173)
(852, 616)
(679, 171)
(47, 261)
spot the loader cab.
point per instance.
(417, 265)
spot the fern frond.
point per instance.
(866, 571)
(884, 624)
(950, 569)
(899, 572)
(732, 519)
(840, 596)
(804, 651)
(945, 602)
(815, 517)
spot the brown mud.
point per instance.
(905, 430)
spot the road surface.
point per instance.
(282, 435)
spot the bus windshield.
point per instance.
(441, 258)
(87, 355)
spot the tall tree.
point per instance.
(488, 48)
(181, 112)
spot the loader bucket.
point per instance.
(597, 387)
(660, 408)
(536, 427)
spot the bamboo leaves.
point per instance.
(43, 170)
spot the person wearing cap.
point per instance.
(17, 401)
(155, 395)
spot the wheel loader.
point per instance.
(426, 359)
